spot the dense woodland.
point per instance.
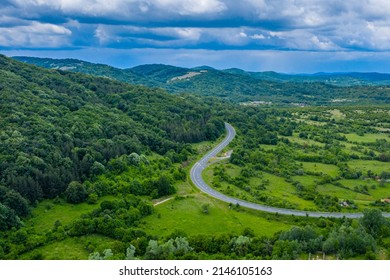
(83, 159)
(59, 127)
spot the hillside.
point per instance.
(58, 127)
(240, 86)
(75, 65)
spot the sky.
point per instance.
(290, 36)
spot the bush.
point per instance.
(75, 193)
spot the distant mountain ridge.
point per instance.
(138, 72)
(337, 78)
(238, 85)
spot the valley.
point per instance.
(100, 168)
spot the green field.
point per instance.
(48, 212)
(373, 165)
(182, 212)
(367, 138)
(375, 189)
(71, 248)
(342, 193)
(277, 188)
(267, 147)
(307, 180)
(187, 215)
(329, 169)
(351, 149)
(283, 190)
(296, 139)
(337, 114)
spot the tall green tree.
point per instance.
(76, 192)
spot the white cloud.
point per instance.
(73, 24)
(35, 35)
(378, 35)
(103, 35)
(258, 37)
(234, 37)
(188, 33)
(144, 7)
(11, 21)
(373, 9)
(227, 36)
(323, 44)
(126, 9)
(192, 7)
(96, 7)
(173, 36)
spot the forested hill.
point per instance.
(240, 86)
(75, 65)
(58, 126)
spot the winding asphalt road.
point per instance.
(196, 177)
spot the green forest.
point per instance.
(97, 168)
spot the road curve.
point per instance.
(196, 177)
